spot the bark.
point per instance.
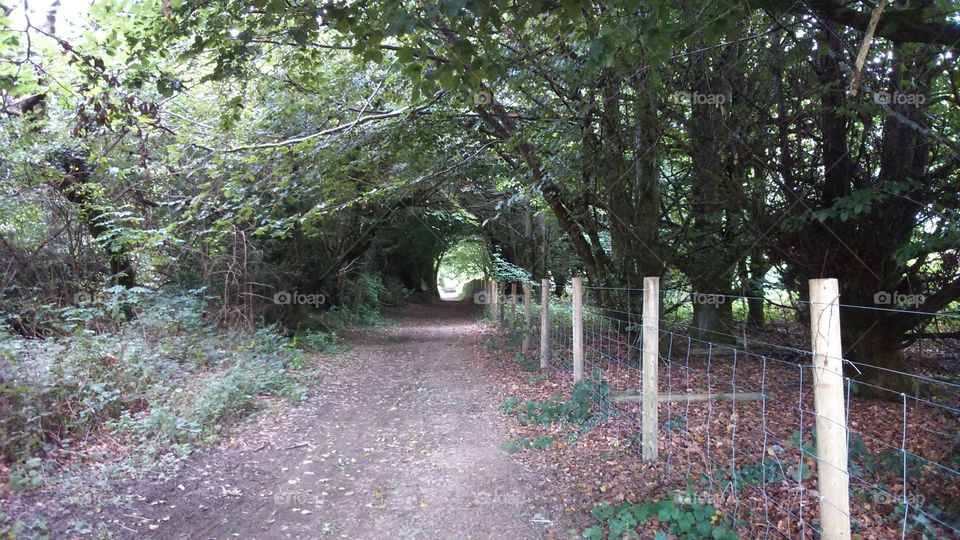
(898, 25)
(757, 269)
(875, 339)
(713, 322)
(711, 258)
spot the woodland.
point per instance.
(193, 194)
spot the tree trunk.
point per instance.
(713, 322)
(875, 338)
(757, 269)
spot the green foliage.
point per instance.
(540, 442)
(317, 341)
(526, 363)
(515, 445)
(675, 423)
(510, 405)
(467, 260)
(212, 197)
(360, 306)
(888, 462)
(162, 383)
(29, 474)
(588, 394)
(508, 272)
(689, 520)
(35, 528)
(515, 336)
(768, 471)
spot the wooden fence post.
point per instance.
(833, 481)
(492, 298)
(501, 304)
(650, 401)
(513, 304)
(577, 302)
(544, 323)
(527, 308)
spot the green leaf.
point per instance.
(451, 8)
(594, 532)
(602, 511)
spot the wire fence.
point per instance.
(738, 420)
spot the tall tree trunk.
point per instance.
(713, 321)
(711, 259)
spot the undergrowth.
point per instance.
(136, 383)
(675, 517)
(588, 393)
(160, 384)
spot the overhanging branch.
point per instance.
(902, 26)
(334, 130)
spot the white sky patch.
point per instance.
(71, 15)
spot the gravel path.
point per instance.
(401, 439)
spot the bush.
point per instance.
(682, 519)
(317, 341)
(160, 382)
(359, 305)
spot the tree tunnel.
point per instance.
(433, 253)
(460, 266)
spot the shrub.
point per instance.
(162, 381)
(681, 519)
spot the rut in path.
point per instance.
(401, 439)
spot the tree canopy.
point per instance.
(245, 147)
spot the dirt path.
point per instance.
(400, 440)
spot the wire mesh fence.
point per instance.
(739, 425)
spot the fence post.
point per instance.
(577, 302)
(649, 404)
(527, 305)
(513, 304)
(544, 322)
(492, 298)
(833, 481)
(501, 304)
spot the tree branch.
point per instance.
(902, 26)
(343, 127)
